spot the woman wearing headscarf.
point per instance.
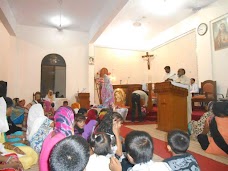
(27, 156)
(8, 162)
(39, 126)
(50, 96)
(15, 134)
(64, 127)
(90, 123)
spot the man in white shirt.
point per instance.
(193, 86)
(186, 81)
(169, 76)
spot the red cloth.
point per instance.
(91, 115)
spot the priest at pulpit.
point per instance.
(183, 79)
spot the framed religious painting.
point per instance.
(220, 32)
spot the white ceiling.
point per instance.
(38, 13)
(117, 30)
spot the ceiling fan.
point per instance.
(196, 5)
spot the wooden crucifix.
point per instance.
(147, 57)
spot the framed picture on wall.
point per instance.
(220, 33)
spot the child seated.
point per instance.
(178, 143)
(71, 154)
(79, 124)
(101, 146)
(139, 149)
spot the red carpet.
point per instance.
(206, 164)
(152, 116)
(139, 123)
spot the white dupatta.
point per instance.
(36, 118)
(4, 127)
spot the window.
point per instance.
(53, 75)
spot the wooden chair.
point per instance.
(208, 92)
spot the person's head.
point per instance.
(220, 109)
(178, 141)
(9, 105)
(16, 101)
(180, 72)
(82, 111)
(35, 113)
(167, 69)
(119, 95)
(192, 80)
(50, 92)
(71, 154)
(65, 103)
(92, 114)
(139, 147)
(38, 96)
(22, 103)
(222, 27)
(80, 121)
(100, 143)
(102, 113)
(64, 121)
(106, 124)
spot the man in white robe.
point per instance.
(194, 87)
(185, 80)
(169, 76)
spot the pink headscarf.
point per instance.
(91, 115)
(64, 121)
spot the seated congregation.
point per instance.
(74, 138)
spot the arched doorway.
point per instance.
(53, 75)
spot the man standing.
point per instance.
(194, 87)
(182, 79)
(169, 76)
(136, 97)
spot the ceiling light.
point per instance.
(137, 24)
(63, 22)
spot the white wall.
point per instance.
(211, 64)
(32, 45)
(125, 65)
(5, 39)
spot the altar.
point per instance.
(127, 89)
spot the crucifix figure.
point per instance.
(147, 57)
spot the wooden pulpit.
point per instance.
(172, 107)
(84, 100)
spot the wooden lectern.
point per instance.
(84, 100)
(172, 106)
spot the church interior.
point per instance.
(62, 45)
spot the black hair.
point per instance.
(65, 102)
(52, 104)
(193, 79)
(139, 146)
(101, 143)
(107, 122)
(182, 69)
(220, 109)
(71, 154)
(167, 67)
(79, 117)
(178, 141)
(82, 111)
(9, 102)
